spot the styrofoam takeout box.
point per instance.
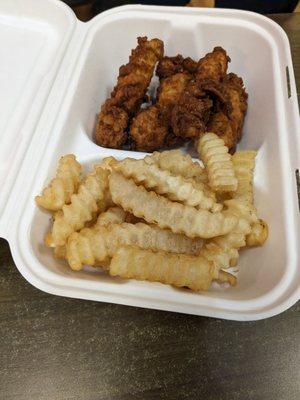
(56, 71)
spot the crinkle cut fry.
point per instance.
(178, 163)
(88, 201)
(217, 160)
(61, 188)
(222, 258)
(259, 233)
(156, 209)
(97, 245)
(180, 270)
(114, 215)
(223, 250)
(108, 163)
(244, 164)
(133, 81)
(176, 188)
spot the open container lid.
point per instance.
(35, 37)
(45, 47)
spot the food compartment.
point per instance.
(254, 278)
(188, 35)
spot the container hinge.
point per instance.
(298, 185)
(288, 81)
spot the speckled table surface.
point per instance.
(59, 349)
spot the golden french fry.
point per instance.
(108, 163)
(178, 163)
(114, 215)
(228, 245)
(225, 277)
(176, 188)
(180, 270)
(242, 209)
(83, 249)
(88, 201)
(214, 154)
(91, 246)
(244, 164)
(153, 237)
(246, 215)
(259, 233)
(156, 209)
(220, 257)
(60, 252)
(61, 188)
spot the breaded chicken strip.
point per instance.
(228, 121)
(233, 87)
(219, 123)
(213, 66)
(170, 90)
(112, 124)
(127, 96)
(150, 128)
(168, 66)
(192, 112)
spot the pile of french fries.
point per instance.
(164, 218)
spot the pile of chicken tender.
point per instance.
(192, 97)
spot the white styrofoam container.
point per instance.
(56, 71)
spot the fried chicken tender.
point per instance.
(169, 66)
(127, 96)
(170, 90)
(213, 90)
(219, 123)
(192, 111)
(111, 126)
(213, 66)
(234, 89)
(228, 121)
(150, 130)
